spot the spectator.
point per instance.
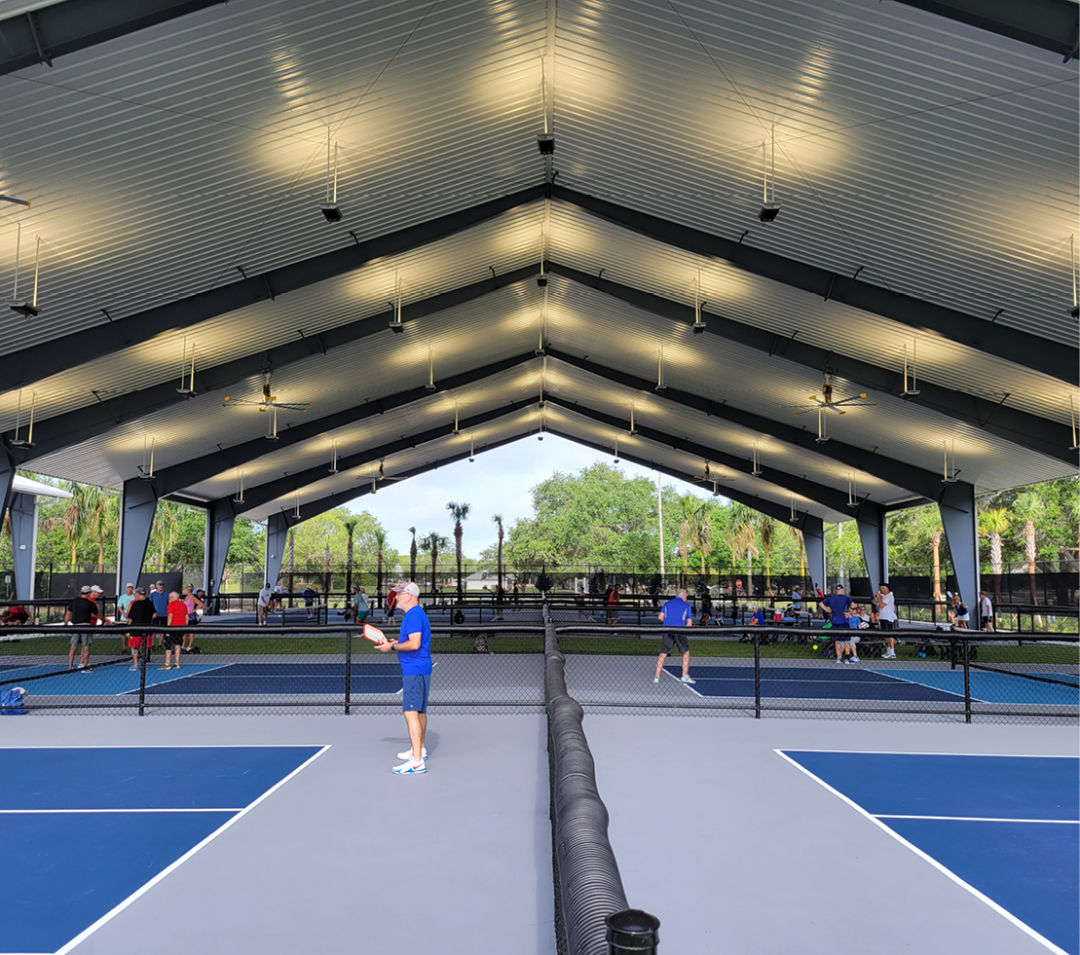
(176, 616)
(309, 601)
(613, 604)
(139, 612)
(160, 600)
(262, 605)
(675, 613)
(986, 611)
(757, 617)
(194, 605)
(796, 599)
(837, 607)
(82, 611)
(886, 613)
(361, 605)
(15, 616)
(959, 611)
(706, 607)
(391, 600)
(579, 600)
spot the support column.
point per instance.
(277, 533)
(958, 517)
(7, 477)
(24, 513)
(219, 527)
(871, 526)
(137, 512)
(814, 542)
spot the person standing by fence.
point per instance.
(413, 647)
(986, 611)
(886, 613)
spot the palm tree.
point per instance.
(431, 545)
(74, 521)
(702, 536)
(1029, 508)
(163, 531)
(801, 543)
(993, 522)
(379, 535)
(768, 525)
(497, 518)
(929, 522)
(103, 522)
(460, 512)
(412, 554)
(744, 539)
(350, 527)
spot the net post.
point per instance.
(348, 667)
(967, 681)
(144, 656)
(757, 677)
(632, 931)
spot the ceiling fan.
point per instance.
(379, 477)
(268, 403)
(709, 476)
(827, 402)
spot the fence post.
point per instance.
(144, 654)
(967, 682)
(757, 677)
(348, 667)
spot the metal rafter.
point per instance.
(43, 34)
(48, 358)
(1021, 427)
(920, 482)
(180, 476)
(52, 434)
(1051, 358)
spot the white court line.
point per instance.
(920, 752)
(44, 812)
(1023, 926)
(206, 668)
(85, 933)
(166, 746)
(1056, 822)
(680, 682)
(959, 696)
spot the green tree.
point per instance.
(460, 512)
(432, 544)
(1029, 510)
(412, 554)
(993, 522)
(350, 528)
(497, 518)
(380, 542)
(766, 526)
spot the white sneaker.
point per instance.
(409, 768)
(408, 754)
(687, 679)
(854, 659)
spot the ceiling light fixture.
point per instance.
(756, 470)
(545, 141)
(146, 469)
(28, 441)
(633, 428)
(852, 491)
(540, 436)
(1072, 422)
(911, 379)
(660, 386)
(187, 376)
(456, 428)
(1075, 310)
(472, 449)
(239, 497)
(333, 457)
(793, 518)
(430, 386)
(296, 506)
(770, 208)
(396, 325)
(699, 325)
(330, 209)
(541, 279)
(616, 448)
(271, 424)
(822, 427)
(21, 306)
(951, 473)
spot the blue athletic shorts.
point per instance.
(414, 691)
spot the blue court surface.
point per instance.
(1007, 828)
(833, 681)
(87, 830)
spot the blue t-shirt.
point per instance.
(796, 600)
(758, 618)
(676, 612)
(415, 661)
(160, 602)
(838, 604)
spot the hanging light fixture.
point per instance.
(238, 498)
(911, 379)
(456, 428)
(1072, 423)
(541, 279)
(950, 472)
(430, 386)
(21, 306)
(1075, 310)
(396, 325)
(545, 141)
(822, 427)
(472, 449)
(333, 456)
(187, 373)
(271, 423)
(660, 386)
(794, 517)
(296, 506)
(616, 447)
(633, 428)
(699, 325)
(28, 441)
(852, 491)
(756, 470)
(540, 436)
(330, 209)
(770, 208)
(146, 469)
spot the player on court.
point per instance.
(413, 647)
(676, 613)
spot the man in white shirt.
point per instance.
(986, 611)
(886, 609)
(262, 605)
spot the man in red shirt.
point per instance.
(177, 617)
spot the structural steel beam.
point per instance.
(277, 532)
(24, 514)
(960, 522)
(871, 526)
(137, 510)
(1022, 428)
(52, 434)
(39, 361)
(259, 494)
(920, 482)
(760, 504)
(814, 544)
(819, 493)
(1051, 358)
(168, 481)
(219, 529)
(51, 31)
(1047, 24)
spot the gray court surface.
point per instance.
(346, 857)
(736, 851)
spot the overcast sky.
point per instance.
(498, 482)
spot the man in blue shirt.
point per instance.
(413, 647)
(676, 613)
(837, 606)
